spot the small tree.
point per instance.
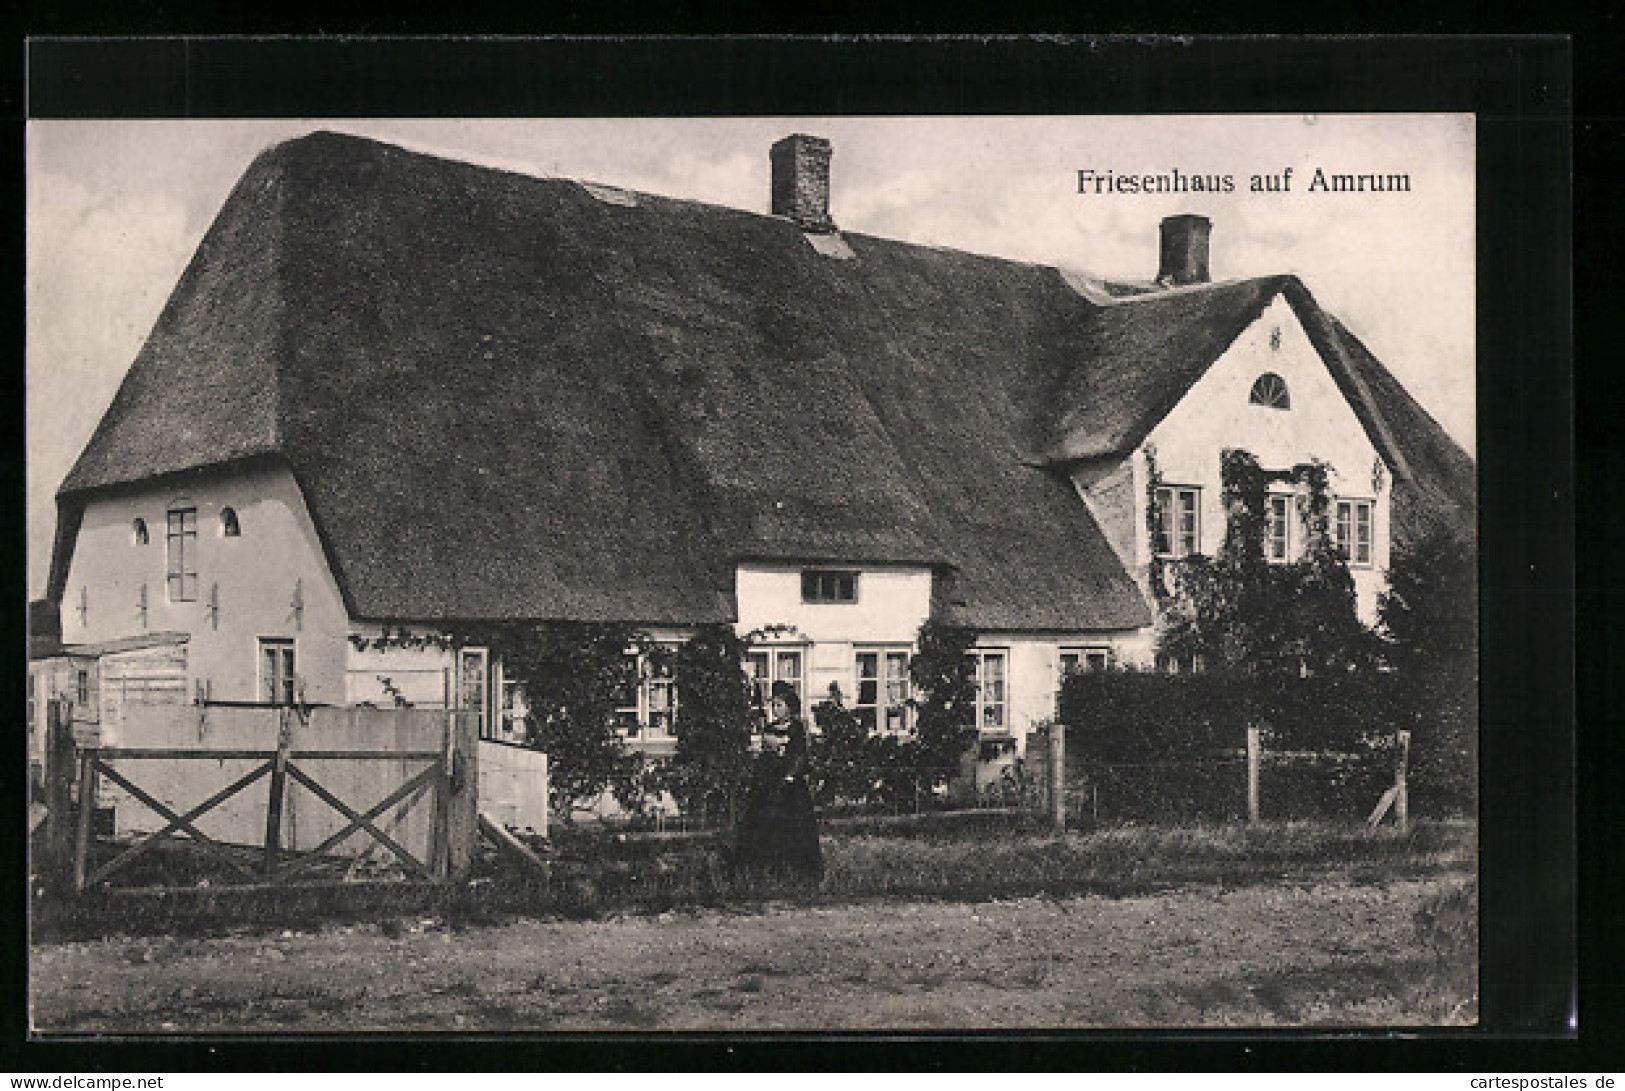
(714, 721)
(841, 751)
(944, 680)
(1429, 618)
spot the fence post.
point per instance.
(463, 802)
(1057, 776)
(59, 762)
(87, 807)
(440, 814)
(1254, 746)
(1402, 803)
(279, 790)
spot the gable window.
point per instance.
(138, 532)
(277, 678)
(648, 703)
(1269, 390)
(181, 541)
(229, 527)
(827, 585)
(1278, 528)
(1081, 660)
(1354, 531)
(775, 664)
(992, 696)
(1179, 521)
(883, 689)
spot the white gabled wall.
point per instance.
(257, 576)
(1215, 414)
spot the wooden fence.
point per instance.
(1046, 769)
(391, 785)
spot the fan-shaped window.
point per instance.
(138, 532)
(1270, 390)
(229, 527)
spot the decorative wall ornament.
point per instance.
(141, 606)
(297, 604)
(1379, 475)
(84, 606)
(214, 605)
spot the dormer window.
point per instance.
(229, 527)
(826, 585)
(1270, 391)
(138, 532)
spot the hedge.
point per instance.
(1171, 748)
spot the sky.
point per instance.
(116, 208)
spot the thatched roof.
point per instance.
(504, 396)
(1141, 355)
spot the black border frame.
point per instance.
(1521, 90)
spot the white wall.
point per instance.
(256, 575)
(892, 603)
(420, 675)
(1033, 662)
(1215, 414)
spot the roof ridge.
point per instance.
(1385, 439)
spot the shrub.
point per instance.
(714, 719)
(944, 680)
(1159, 747)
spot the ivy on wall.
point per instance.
(1236, 611)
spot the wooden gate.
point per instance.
(443, 779)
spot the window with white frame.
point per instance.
(473, 681)
(647, 704)
(181, 541)
(1080, 660)
(770, 664)
(513, 714)
(883, 689)
(1178, 522)
(992, 691)
(278, 684)
(1277, 527)
(1353, 529)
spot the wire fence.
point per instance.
(1231, 785)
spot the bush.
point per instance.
(853, 765)
(1169, 748)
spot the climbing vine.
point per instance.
(944, 678)
(399, 637)
(1238, 612)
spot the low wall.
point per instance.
(513, 786)
(183, 783)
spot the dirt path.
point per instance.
(1329, 954)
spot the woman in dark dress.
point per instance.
(778, 834)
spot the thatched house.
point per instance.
(392, 389)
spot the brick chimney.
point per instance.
(801, 181)
(1184, 250)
